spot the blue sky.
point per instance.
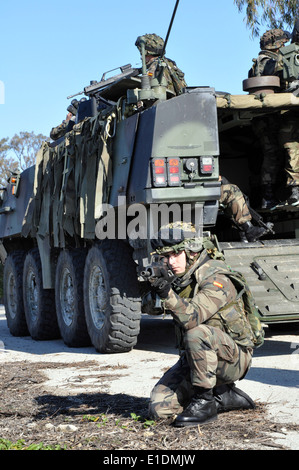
(50, 50)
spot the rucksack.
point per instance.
(250, 308)
(243, 290)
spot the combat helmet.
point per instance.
(176, 237)
(153, 44)
(274, 39)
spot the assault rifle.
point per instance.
(95, 87)
(157, 269)
(268, 226)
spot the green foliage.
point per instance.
(270, 13)
(102, 420)
(146, 423)
(5, 444)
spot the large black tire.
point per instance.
(39, 303)
(13, 293)
(69, 298)
(111, 297)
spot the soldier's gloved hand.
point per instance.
(161, 284)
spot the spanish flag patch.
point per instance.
(217, 284)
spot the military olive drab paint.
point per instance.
(71, 180)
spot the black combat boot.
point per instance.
(293, 200)
(228, 397)
(201, 409)
(252, 232)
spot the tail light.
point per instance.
(166, 172)
(14, 180)
(174, 172)
(159, 172)
(206, 165)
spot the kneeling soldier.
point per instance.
(215, 338)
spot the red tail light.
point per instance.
(206, 165)
(174, 172)
(159, 172)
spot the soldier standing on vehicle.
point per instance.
(277, 133)
(66, 125)
(157, 65)
(214, 337)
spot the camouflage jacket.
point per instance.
(212, 299)
(173, 75)
(265, 64)
(62, 129)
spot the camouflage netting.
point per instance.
(71, 181)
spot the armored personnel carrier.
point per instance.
(74, 228)
(70, 236)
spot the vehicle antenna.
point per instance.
(170, 26)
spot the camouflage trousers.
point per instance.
(289, 141)
(234, 203)
(279, 140)
(211, 358)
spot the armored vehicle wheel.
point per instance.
(69, 298)
(13, 293)
(39, 303)
(111, 297)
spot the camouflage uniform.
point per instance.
(266, 63)
(214, 337)
(158, 65)
(278, 134)
(66, 125)
(60, 130)
(289, 141)
(233, 201)
(173, 75)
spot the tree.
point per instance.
(25, 147)
(18, 153)
(6, 165)
(271, 13)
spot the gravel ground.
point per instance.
(60, 398)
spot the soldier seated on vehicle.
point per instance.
(206, 311)
(66, 125)
(278, 133)
(156, 64)
(233, 201)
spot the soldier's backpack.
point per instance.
(250, 308)
(243, 290)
